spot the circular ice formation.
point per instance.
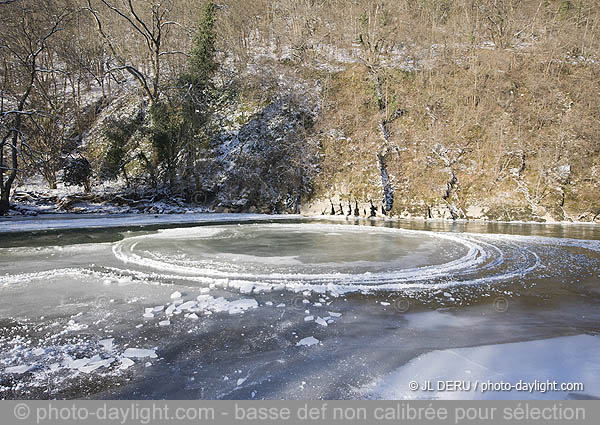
(324, 258)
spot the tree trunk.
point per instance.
(50, 178)
(451, 185)
(388, 190)
(4, 206)
(7, 185)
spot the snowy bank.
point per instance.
(89, 221)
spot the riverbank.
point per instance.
(101, 221)
(68, 221)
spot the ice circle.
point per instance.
(324, 258)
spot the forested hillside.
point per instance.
(430, 108)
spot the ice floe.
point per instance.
(320, 321)
(139, 353)
(307, 342)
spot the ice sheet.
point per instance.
(564, 360)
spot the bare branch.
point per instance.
(164, 24)
(123, 15)
(136, 74)
(137, 18)
(175, 52)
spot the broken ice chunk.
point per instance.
(18, 369)
(77, 363)
(187, 305)
(126, 363)
(96, 365)
(308, 341)
(320, 321)
(140, 353)
(239, 306)
(107, 344)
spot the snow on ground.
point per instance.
(564, 360)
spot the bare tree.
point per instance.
(152, 24)
(25, 37)
(450, 158)
(501, 20)
(374, 38)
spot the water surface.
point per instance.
(232, 310)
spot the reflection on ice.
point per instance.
(437, 319)
(487, 371)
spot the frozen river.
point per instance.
(270, 307)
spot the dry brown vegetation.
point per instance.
(493, 104)
(463, 103)
(515, 136)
